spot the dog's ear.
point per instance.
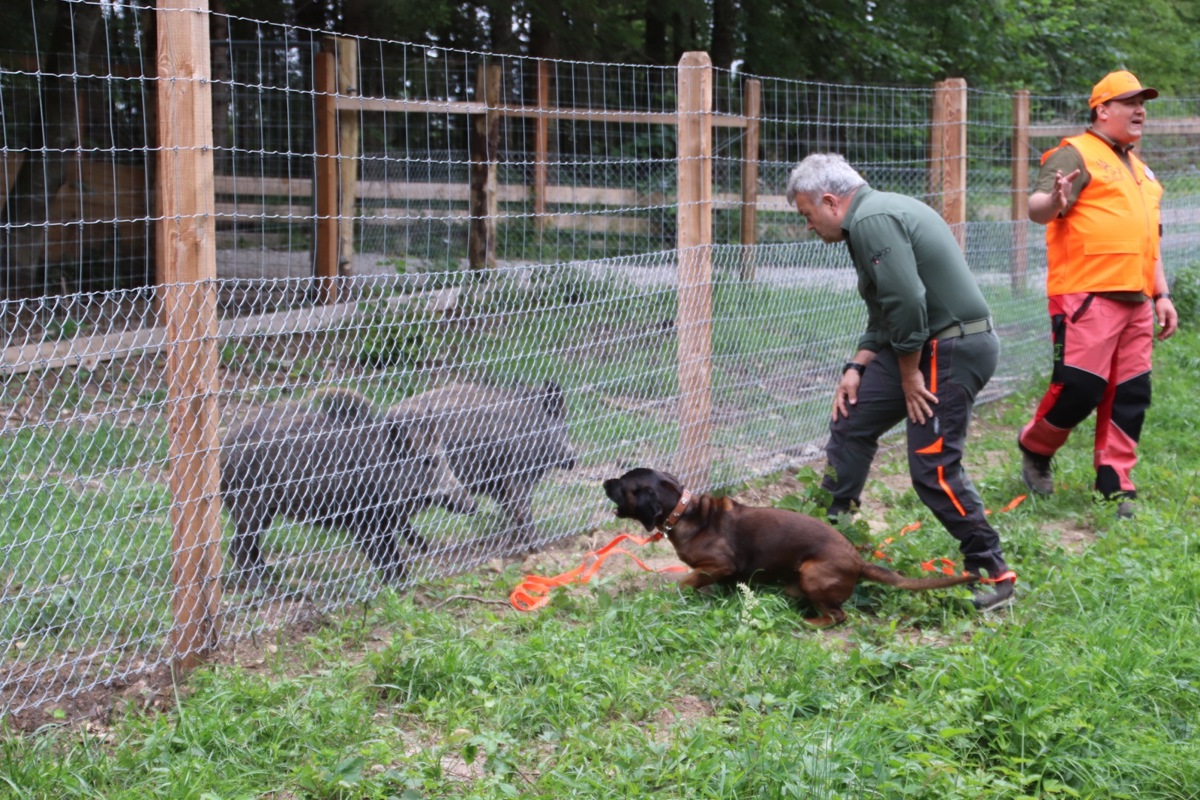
(669, 482)
(647, 508)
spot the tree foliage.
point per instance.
(1047, 46)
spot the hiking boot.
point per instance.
(840, 510)
(1125, 510)
(1035, 472)
(991, 596)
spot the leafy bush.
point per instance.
(1185, 292)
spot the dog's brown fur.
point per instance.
(725, 542)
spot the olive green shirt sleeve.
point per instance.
(912, 274)
(897, 317)
(1067, 159)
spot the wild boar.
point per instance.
(350, 467)
(500, 442)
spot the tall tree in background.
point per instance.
(1045, 45)
(51, 158)
(723, 42)
(1171, 64)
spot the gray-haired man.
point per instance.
(927, 351)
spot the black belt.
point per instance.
(964, 329)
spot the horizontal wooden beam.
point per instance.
(410, 192)
(253, 185)
(89, 351)
(386, 104)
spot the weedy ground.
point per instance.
(1089, 686)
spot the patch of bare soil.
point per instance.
(680, 712)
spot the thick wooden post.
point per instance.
(948, 153)
(186, 251)
(694, 319)
(1020, 197)
(751, 110)
(485, 147)
(325, 185)
(541, 145)
(347, 123)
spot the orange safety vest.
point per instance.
(1108, 241)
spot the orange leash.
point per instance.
(946, 565)
(534, 591)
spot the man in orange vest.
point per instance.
(1105, 287)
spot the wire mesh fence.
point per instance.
(438, 323)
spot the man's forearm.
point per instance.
(864, 357)
(1041, 208)
(909, 363)
(1160, 277)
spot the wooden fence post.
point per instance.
(751, 110)
(485, 146)
(694, 318)
(541, 145)
(347, 124)
(1020, 197)
(186, 251)
(325, 184)
(948, 153)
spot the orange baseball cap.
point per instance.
(1119, 85)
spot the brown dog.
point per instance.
(726, 542)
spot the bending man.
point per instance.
(927, 351)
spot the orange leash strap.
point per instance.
(945, 565)
(534, 592)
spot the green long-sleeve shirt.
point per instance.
(911, 272)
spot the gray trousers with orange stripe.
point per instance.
(962, 367)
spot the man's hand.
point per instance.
(917, 397)
(1167, 316)
(846, 394)
(1045, 206)
(1062, 190)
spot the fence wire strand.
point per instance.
(496, 328)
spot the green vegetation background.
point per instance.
(1088, 687)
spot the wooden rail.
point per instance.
(341, 106)
(387, 104)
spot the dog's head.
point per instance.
(645, 495)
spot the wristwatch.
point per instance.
(853, 365)
(1158, 297)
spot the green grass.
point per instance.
(1089, 687)
(93, 585)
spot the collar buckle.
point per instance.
(669, 523)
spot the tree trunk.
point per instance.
(53, 156)
(656, 35)
(502, 35)
(357, 19)
(222, 75)
(545, 28)
(724, 28)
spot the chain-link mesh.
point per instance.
(461, 382)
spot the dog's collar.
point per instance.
(677, 512)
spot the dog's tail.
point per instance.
(883, 575)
